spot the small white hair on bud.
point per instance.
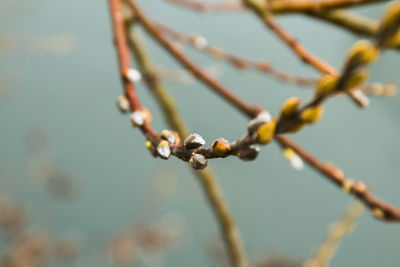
(133, 75)
(264, 116)
(137, 118)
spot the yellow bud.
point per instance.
(312, 114)
(148, 144)
(326, 85)
(364, 52)
(393, 41)
(392, 13)
(221, 147)
(389, 25)
(347, 185)
(377, 213)
(290, 106)
(265, 132)
(288, 153)
(356, 78)
(296, 127)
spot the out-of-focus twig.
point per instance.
(379, 209)
(200, 43)
(337, 231)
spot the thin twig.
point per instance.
(278, 7)
(200, 43)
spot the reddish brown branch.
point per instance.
(124, 62)
(380, 209)
(124, 55)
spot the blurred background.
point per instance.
(77, 178)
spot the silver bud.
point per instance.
(248, 153)
(123, 104)
(163, 149)
(194, 141)
(137, 118)
(169, 136)
(198, 161)
(133, 75)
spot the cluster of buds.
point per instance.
(389, 34)
(299, 117)
(162, 149)
(364, 53)
(360, 55)
(192, 142)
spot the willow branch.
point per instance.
(380, 209)
(207, 178)
(200, 43)
(300, 50)
(123, 52)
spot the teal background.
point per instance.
(279, 211)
